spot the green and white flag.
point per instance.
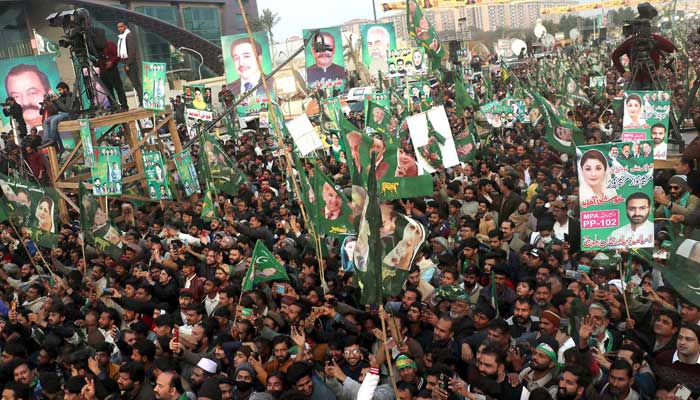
(561, 133)
(187, 172)
(681, 272)
(216, 166)
(264, 267)
(97, 230)
(466, 144)
(156, 176)
(208, 207)
(333, 213)
(33, 208)
(107, 171)
(377, 117)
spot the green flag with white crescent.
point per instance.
(264, 267)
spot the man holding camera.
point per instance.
(13, 110)
(68, 107)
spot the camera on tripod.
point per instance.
(641, 25)
(48, 97)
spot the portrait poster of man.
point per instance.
(325, 65)
(409, 61)
(242, 72)
(156, 176)
(154, 85)
(333, 212)
(28, 80)
(107, 171)
(616, 198)
(377, 40)
(187, 172)
(33, 208)
(398, 173)
(646, 117)
(98, 230)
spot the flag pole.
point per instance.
(382, 315)
(288, 157)
(240, 297)
(623, 284)
(27, 250)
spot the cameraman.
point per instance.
(14, 110)
(68, 108)
(48, 107)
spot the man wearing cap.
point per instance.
(408, 371)
(680, 201)
(203, 370)
(543, 370)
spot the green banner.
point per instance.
(187, 172)
(325, 64)
(156, 176)
(377, 40)
(646, 118)
(97, 229)
(409, 61)
(154, 85)
(107, 171)
(28, 80)
(242, 72)
(197, 97)
(86, 140)
(34, 208)
(616, 196)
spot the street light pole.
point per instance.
(201, 59)
(374, 10)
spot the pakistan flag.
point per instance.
(264, 267)
(97, 230)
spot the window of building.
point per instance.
(154, 47)
(15, 35)
(203, 21)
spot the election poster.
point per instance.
(377, 41)
(107, 171)
(154, 81)
(616, 195)
(28, 80)
(32, 208)
(325, 65)
(187, 172)
(646, 117)
(242, 72)
(408, 61)
(156, 175)
(86, 140)
(197, 97)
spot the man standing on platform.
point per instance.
(109, 74)
(128, 51)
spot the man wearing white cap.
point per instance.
(205, 369)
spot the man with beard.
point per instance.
(619, 386)
(573, 383)
(594, 326)
(414, 281)
(681, 202)
(522, 321)
(408, 371)
(204, 370)
(543, 371)
(243, 382)
(471, 274)
(132, 382)
(301, 377)
(543, 296)
(658, 133)
(280, 349)
(639, 230)
(443, 336)
(491, 364)
(354, 361)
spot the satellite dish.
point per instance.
(540, 31)
(574, 34)
(517, 45)
(548, 40)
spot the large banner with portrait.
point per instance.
(107, 171)
(32, 208)
(646, 118)
(325, 64)
(242, 72)
(377, 41)
(28, 80)
(154, 81)
(616, 195)
(156, 175)
(408, 61)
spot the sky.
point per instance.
(297, 15)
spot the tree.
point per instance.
(352, 51)
(266, 22)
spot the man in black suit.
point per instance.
(128, 51)
(324, 73)
(243, 56)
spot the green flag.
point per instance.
(332, 207)
(377, 117)
(264, 267)
(217, 167)
(32, 207)
(97, 230)
(462, 98)
(420, 29)
(561, 133)
(209, 211)
(465, 143)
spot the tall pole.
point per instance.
(201, 59)
(374, 10)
